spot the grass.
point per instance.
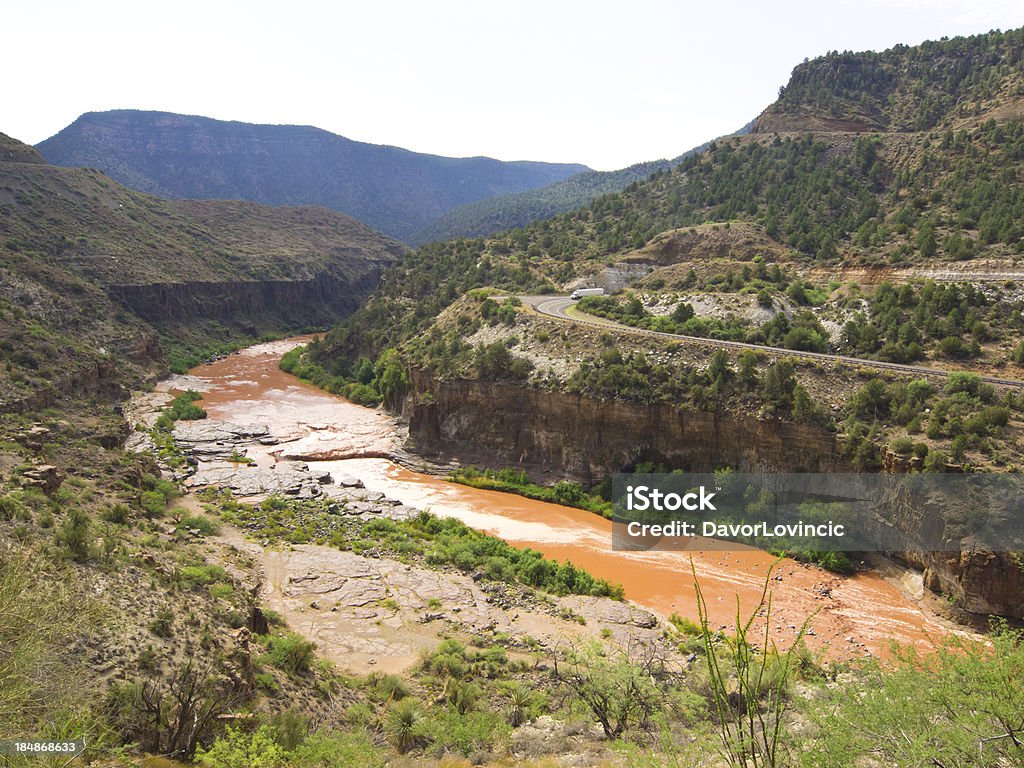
(426, 539)
(516, 481)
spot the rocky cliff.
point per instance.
(92, 274)
(319, 300)
(500, 423)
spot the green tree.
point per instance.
(390, 375)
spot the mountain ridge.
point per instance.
(394, 190)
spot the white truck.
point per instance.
(579, 293)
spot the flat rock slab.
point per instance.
(287, 477)
(209, 431)
(368, 613)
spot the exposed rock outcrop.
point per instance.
(503, 423)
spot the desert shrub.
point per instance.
(406, 725)
(291, 653)
(238, 749)
(201, 523)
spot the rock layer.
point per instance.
(503, 423)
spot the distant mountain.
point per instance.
(393, 190)
(497, 214)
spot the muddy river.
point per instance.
(851, 616)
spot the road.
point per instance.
(556, 306)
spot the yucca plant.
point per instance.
(520, 699)
(404, 724)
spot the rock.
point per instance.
(45, 476)
(348, 481)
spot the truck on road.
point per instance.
(579, 293)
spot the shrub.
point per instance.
(406, 725)
(201, 523)
(76, 534)
(291, 653)
(353, 748)
(237, 749)
(163, 624)
(117, 514)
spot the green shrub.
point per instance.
(238, 749)
(353, 748)
(406, 725)
(201, 523)
(465, 734)
(76, 534)
(391, 688)
(290, 653)
(192, 576)
(163, 624)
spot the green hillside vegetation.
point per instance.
(953, 193)
(497, 214)
(905, 88)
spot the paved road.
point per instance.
(555, 306)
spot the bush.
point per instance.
(201, 523)
(465, 734)
(291, 653)
(353, 748)
(76, 534)
(238, 749)
(405, 724)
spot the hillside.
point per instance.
(393, 190)
(938, 84)
(94, 271)
(785, 239)
(496, 214)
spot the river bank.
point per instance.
(295, 430)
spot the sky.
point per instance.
(606, 84)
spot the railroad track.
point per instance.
(556, 307)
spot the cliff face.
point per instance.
(977, 581)
(502, 423)
(499, 423)
(320, 300)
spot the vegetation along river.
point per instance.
(852, 616)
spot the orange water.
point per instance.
(334, 434)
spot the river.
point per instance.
(850, 616)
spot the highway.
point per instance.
(556, 306)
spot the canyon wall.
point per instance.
(321, 300)
(500, 424)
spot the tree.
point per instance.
(620, 687)
(390, 375)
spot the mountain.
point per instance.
(496, 214)
(394, 190)
(833, 178)
(939, 83)
(91, 272)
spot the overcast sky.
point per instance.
(601, 83)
